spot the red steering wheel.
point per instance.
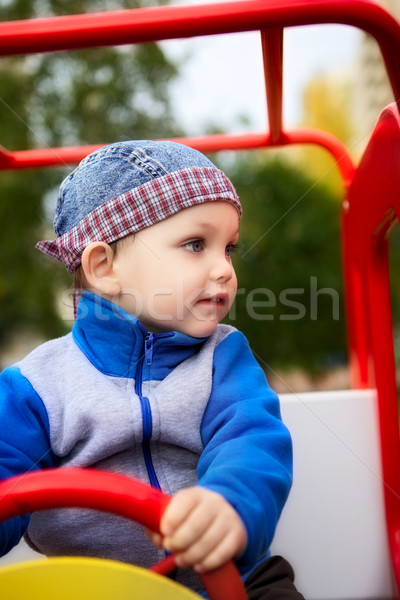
(110, 492)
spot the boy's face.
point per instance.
(178, 274)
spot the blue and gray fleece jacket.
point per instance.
(171, 410)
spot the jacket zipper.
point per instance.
(147, 421)
(146, 410)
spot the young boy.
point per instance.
(149, 383)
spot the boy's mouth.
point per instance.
(216, 299)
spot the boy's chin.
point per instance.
(199, 329)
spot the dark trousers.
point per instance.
(272, 580)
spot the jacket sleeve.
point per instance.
(247, 455)
(24, 441)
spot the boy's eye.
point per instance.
(194, 245)
(230, 250)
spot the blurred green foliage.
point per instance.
(290, 301)
(48, 100)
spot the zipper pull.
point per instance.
(148, 348)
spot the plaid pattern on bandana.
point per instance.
(141, 207)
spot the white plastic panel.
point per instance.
(333, 527)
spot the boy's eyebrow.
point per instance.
(209, 225)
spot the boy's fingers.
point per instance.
(187, 534)
(218, 543)
(155, 537)
(201, 546)
(177, 511)
(217, 557)
(199, 523)
(202, 529)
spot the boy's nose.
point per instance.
(221, 270)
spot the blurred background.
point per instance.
(290, 302)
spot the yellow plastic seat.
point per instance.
(67, 578)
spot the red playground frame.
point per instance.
(372, 200)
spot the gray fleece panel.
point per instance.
(96, 421)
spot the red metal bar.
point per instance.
(46, 157)
(101, 490)
(214, 143)
(158, 23)
(373, 187)
(167, 22)
(139, 25)
(368, 216)
(272, 45)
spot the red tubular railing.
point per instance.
(372, 187)
(272, 45)
(372, 208)
(46, 157)
(160, 23)
(113, 493)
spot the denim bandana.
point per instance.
(159, 195)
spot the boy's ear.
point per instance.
(98, 266)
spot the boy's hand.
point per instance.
(202, 528)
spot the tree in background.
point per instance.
(288, 265)
(328, 106)
(82, 97)
(290, 262)
(331, 103)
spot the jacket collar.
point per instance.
(115, 341)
